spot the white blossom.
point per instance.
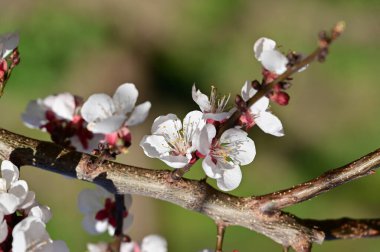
(213, 107)
(3, 228)
(106, 114)
(14, 193)
(97, 205)
(271, 59)
(150, 243)
(30, 235)
(8, 42)
(259, 112)
(171, 141)
(223, 157)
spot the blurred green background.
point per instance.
(164, 47)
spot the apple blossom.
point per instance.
(171, 141)
(213, 107)
(30, 235)
(59, 115)
(259, 113)
(271, 59)
(106, 115)
(223, 157)
(99, 208)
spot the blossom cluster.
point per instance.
(9, 57)
(201, 135)
(99, 123)
(22, 219)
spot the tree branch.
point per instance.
(359, 168)
(283, 228)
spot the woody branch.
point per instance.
(248, 212)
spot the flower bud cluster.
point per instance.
(9, 57)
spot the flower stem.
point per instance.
(221, 228)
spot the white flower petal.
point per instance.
(8, 42)
(19, 189)
(101, 226)
(125, 98)
(155, 146)
(274, 61)
(41, 212)
(244, 147)
(139, 114)
(29, 234)
(97, 107)
(34, 116)
(201, 99)
(64, 106)
(202, 141)
(192, 123)
(108, 125)
(270, 124)
(261, 45)
(154, 243)
(167, 125)
(53, 246)
(261, 105)
(211, 169)
(9, 172)
(217, 116)
(99, 247)
(127, 247)
(8, 203)
(230, 180)
(89, 223)
(91, 201)
(30, 199)
(3, 228)
(176, 161)
(247, 91)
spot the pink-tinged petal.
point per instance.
(243, 146)
(261, 45)
(97, 107)
(247, 91)
(108, 125)
(192, 123)
(211, 169)
(41, 212)
(19, 189)
(9, 172)
(8, 42)
(167, 125)
(274, 61)
(139, 114)
(270, 124)
(91, 201)
(3, 228)
(176, 161)
(201, 99)
(89, 223)
(125, 98)
(202, 141)
(29, 234)
(154, 243)
(230, 180)
(261, 105)
(30, 199)
(155, 146)
(8, 203)
(34, 116)
(64, 106)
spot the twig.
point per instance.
(220, 229)
(359, 168)
(119, 214)
(265, 89)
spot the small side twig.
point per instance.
(221, 228)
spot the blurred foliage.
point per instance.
(164, 47)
